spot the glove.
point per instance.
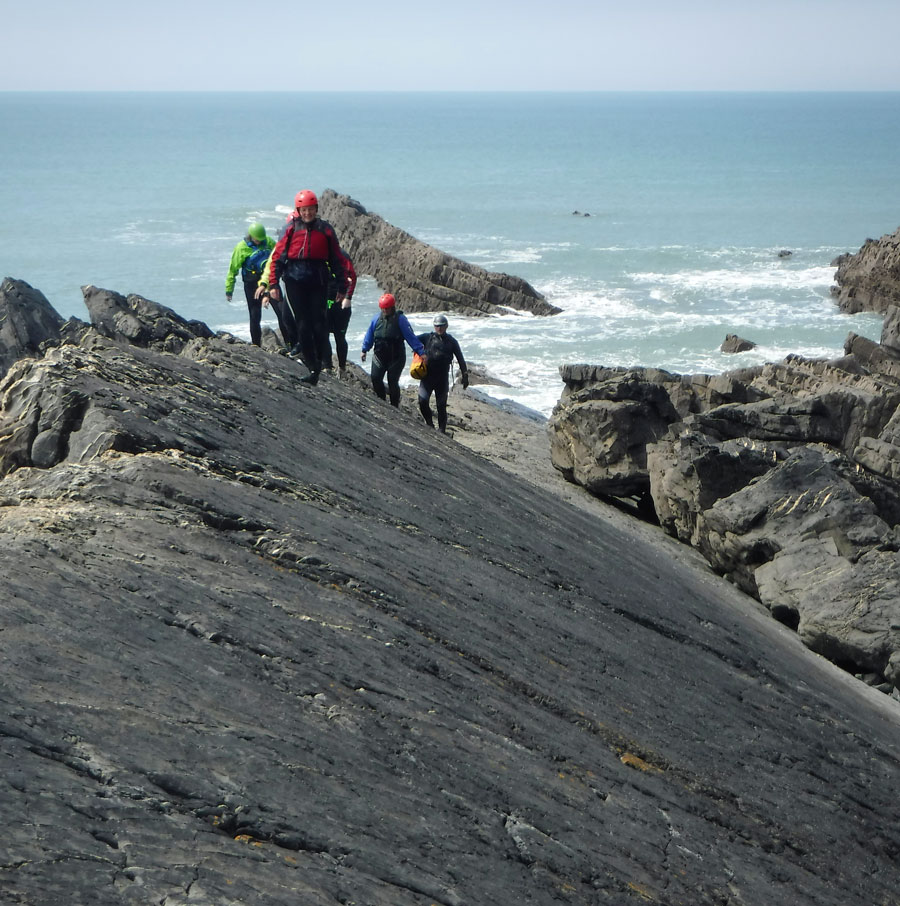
(363, 357)
(227, 297)
(465, 379)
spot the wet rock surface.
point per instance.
(269, 643)
(421, 277)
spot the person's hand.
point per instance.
(227, 297)
(339, 297)
(346, 302)
(363, 357)
(265, 300)
(465, 379)
(260, 292)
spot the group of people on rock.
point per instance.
(319, 280)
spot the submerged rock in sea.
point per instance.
(269, 643)
(421, 277)
(733, 343)
(786, 477)
(869, 280)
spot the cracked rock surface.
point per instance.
(271, 644)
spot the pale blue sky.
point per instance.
(596, 45)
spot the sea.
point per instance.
(658, 222)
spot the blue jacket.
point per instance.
(414, 342)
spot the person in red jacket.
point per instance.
(306, 255)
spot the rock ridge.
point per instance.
(421, 277)
(869, 280)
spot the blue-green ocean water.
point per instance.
(690, 197)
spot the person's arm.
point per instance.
(414, 342)
(336, 260)
(463, 370)
(369, 338)
(268, 280)
(351, 280)
(237, 259)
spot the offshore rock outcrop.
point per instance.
(267, 643)
(786, 477)
(421, 277)
(869, 280)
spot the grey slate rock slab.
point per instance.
(269, 643)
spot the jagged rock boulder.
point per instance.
(785, 476)
(136, 320)
(421, 277)
(27, 320)
(869, 280)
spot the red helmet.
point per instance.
(386, 301)
(305, 198)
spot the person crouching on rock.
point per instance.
(388, 333)
(306, 255)
(440, 347)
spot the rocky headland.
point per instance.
(785, 476)
(269, 643)
(869, 280)
(421, 277)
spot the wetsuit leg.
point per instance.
(393, 375)
(254, 307)
(441, 393)
(308, 304)
(424, 408)
(285, 321)
(377, 375)
(341, 322)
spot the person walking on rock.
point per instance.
(249, 259)
(306, 255)
(338, 317)
(388, 333)
(440, 348)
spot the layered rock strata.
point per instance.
(268, 643)
(869, 280)
(421, 277)
(785, 476)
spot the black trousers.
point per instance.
(393, 369)
(337, 320)
(308, 306)
(438, 384)
(254, 306)
(282, 313)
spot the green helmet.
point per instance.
(257, 231)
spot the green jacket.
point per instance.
(242, 251)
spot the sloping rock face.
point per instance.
(869, 280)
(421, 277)
(27, 319)
(785, 476)
(267, 643)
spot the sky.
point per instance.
(465, 45)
